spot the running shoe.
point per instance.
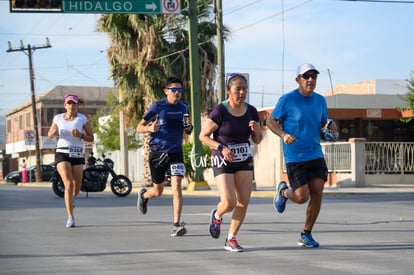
(178, 230)
(233, 245)
(141, 202)
(279, 202)
(70, 222)
(214, 226)
(306, 240)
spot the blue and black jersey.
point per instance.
(169, 138)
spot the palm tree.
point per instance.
(146, 49)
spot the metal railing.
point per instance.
(337, 156)
(380, 157)
(389, 157)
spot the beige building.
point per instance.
(20, 143)
(371, 87)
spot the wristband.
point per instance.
(220, 147)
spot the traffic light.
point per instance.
(36, 5)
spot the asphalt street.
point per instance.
(359, 233)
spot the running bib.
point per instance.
(76, 152)
(241, 150)
(177, 169)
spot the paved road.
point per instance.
(359, 234)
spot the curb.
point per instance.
(263, 193)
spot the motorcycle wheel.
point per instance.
(58, 187)
(121, 186)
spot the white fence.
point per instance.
(353, 163)
(389, 157)
(337, 156)
(379, 157)
(371, 163)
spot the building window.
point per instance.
(21, 122)
(28, 120)
(9, 126)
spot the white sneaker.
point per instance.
(70, 222)
(178, 230)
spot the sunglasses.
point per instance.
(307, 76)
(174, 89)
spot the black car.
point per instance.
(46, 173)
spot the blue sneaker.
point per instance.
(214, 225)
(306, 240)
(279, 202)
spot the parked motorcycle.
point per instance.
(94, 180)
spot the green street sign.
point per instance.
(121, 6)
(96, 6)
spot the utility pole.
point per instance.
(28, 50)
(195, 91)
(218, 9)
(123, 135)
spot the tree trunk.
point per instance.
(147, 174)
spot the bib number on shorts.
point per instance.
(76, 152)
(177, 169)
(241, 150)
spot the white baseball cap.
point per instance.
(306, 68)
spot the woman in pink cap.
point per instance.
(24, 171)
(72, 129)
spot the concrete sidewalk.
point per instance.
(259, 191)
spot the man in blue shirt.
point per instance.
(166, 120)
(297, 118)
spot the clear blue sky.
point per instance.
(355, 41)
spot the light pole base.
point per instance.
(198, 185)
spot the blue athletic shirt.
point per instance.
(169, 138)
(302, 116)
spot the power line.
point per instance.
(242, 7)
(274, 15)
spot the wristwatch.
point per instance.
(220, 147)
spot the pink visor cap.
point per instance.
(72, 97)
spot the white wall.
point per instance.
(135, 163)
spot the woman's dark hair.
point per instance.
(232, 77)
